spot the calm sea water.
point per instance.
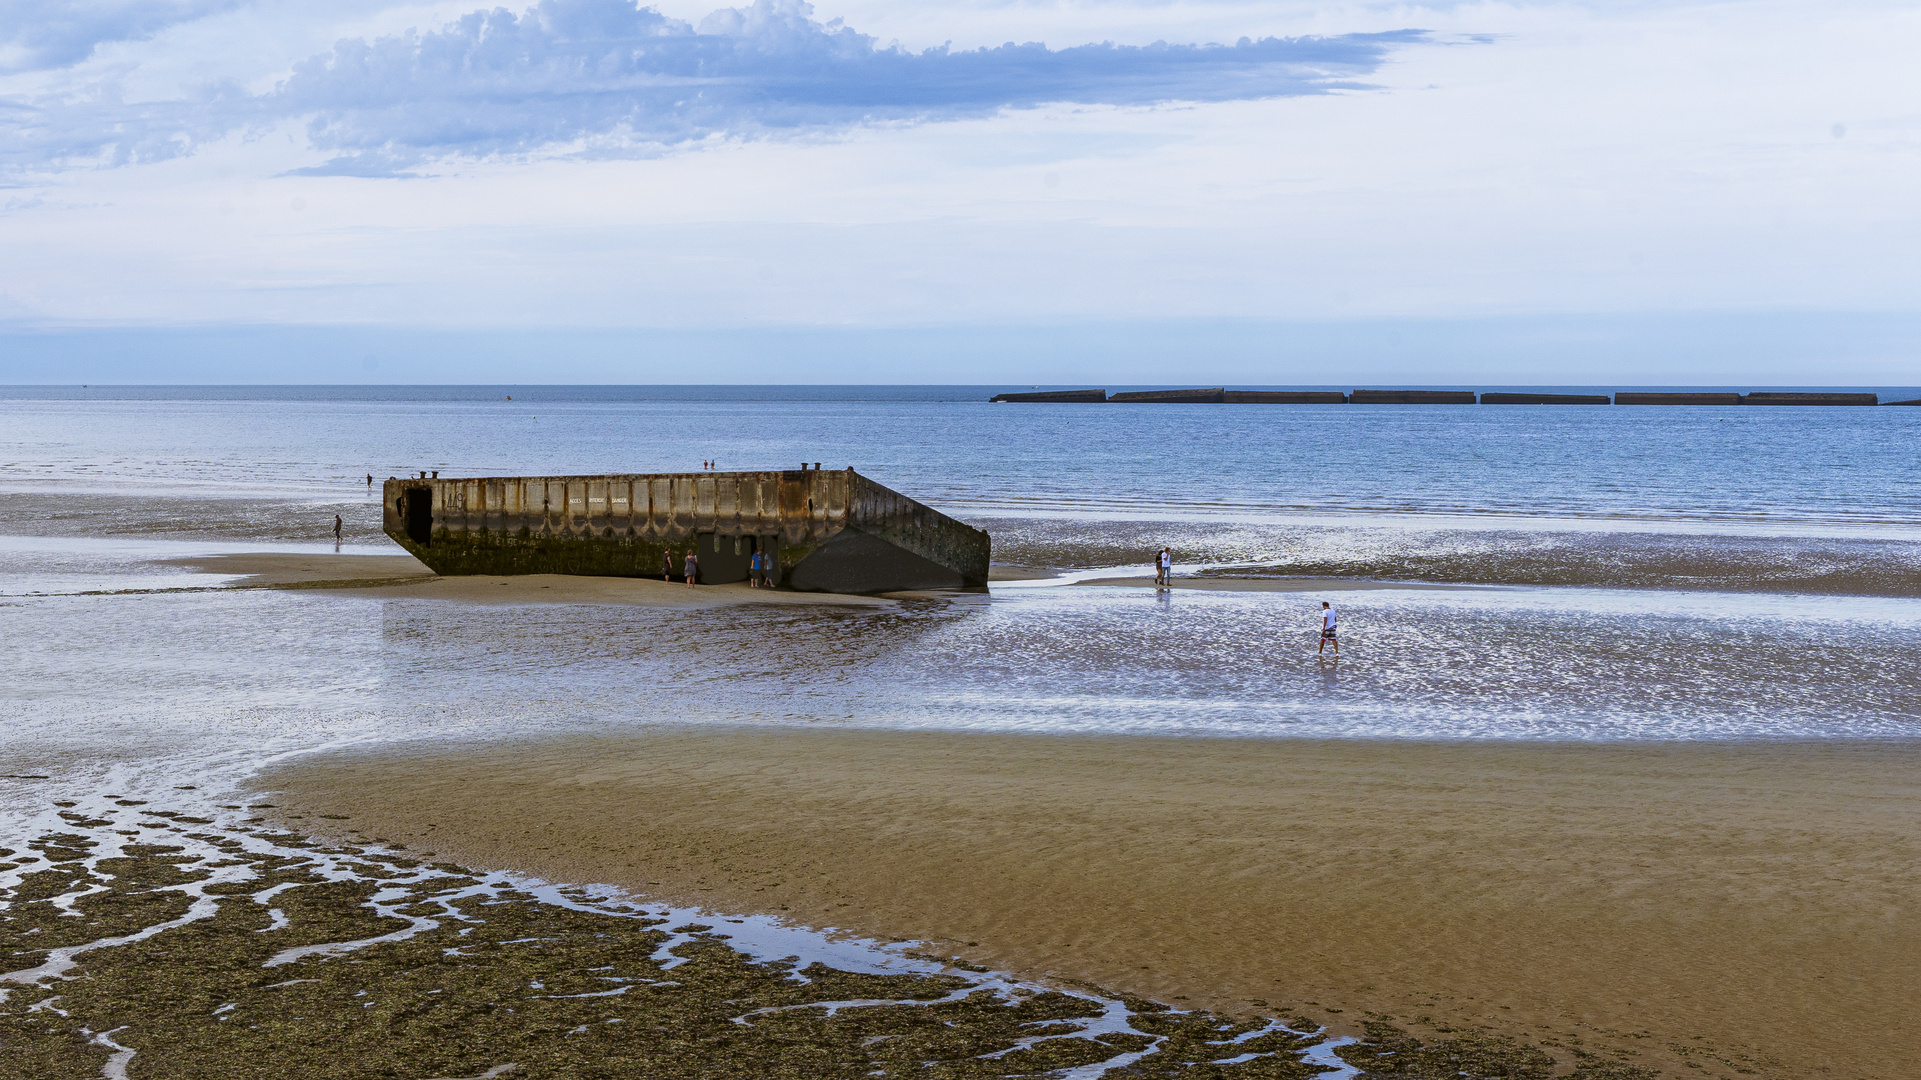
(1774, 467)
(1624, 573)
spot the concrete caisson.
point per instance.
(826, 531)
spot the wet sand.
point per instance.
(1273, 584)
(275, 568)
(1713, 910)
(404, 577)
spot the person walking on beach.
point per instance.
(693, 567)
(754, 570)
(1327, 630)
(666, 564)
(370, 481)
(1164, 568)
(336, 530)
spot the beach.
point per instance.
(1750, 909)
(1612, 779)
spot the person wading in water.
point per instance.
(1327, 630)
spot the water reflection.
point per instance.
(1508, 663)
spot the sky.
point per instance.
(1031, 191)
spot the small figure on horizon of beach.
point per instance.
(370, 481)
(667, 564)
(1327, 630)
(337, 524)
(1164, 567)
(693, 567)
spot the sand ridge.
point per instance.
(1750, 909)
(404, 577)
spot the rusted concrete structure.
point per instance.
(1220, 395)
(1411, 397)
(1072, 396)
(1774, 397)
(1204, 396)
(826, 531)
(1283, 397)
(1543, 399)
(1675, 398)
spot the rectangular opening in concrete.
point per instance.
(419, 513)
(723, 558)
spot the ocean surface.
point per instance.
(1533, 572)
(1502, 573)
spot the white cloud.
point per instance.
(607, 77)
(40, 34)
(1658, 159)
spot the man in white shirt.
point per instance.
(1327, 630)
(1164, 567)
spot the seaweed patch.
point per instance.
(178, 950)
(239, 953)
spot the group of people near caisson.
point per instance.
(760, 568)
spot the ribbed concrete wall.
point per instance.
(619, 525)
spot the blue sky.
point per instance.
(976, 188)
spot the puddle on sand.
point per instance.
(153, 942)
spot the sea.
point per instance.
(1499, 572)
(1561, 573)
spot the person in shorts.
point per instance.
(1327, 630)
(666, 564)
(754, 570)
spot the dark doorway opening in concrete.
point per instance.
(723, 558)
(419, 513)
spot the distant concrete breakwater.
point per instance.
(1223, 396)
(821, 531)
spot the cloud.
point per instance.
(41, 34)
(606, 76)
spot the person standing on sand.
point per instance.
(1327, 630)
(693, 567)
(753, 570)
(666, 564)
(370, 481)
(1164, 567)
(336, 530)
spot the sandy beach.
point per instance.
(1703, 909)
(1270, 584)
(404, 577)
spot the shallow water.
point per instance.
(1662, 573)
(1624, 574)
(1482, 663)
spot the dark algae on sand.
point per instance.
(145, 943)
